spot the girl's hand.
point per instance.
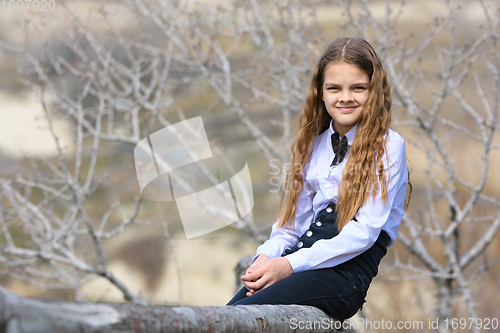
(263, 273)
(261, 258)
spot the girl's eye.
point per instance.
(333, 88)
(359, 88)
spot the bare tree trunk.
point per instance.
(445, 309)
(25, 315)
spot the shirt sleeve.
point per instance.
(284, 238)
(372, 217)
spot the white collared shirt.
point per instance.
(321, 187)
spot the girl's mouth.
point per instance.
(345, 109)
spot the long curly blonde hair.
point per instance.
(368, 146)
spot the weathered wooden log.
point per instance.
(30, 315)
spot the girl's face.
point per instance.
(345, 92)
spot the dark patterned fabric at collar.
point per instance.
(339, 147)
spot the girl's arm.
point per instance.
(372, 217)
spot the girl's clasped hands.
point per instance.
(264, 272)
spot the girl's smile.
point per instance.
(345, 93)
(347, 109)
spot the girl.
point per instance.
(345, 194)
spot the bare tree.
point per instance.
(121, 83)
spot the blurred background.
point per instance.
(82, 82)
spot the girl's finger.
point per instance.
(254, 276)
(257, 285)
(250, 285)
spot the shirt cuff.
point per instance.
(269, 250)
(298, 262)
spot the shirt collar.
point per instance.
(350, 135)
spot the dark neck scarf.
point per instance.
(339, 148)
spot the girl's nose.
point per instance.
(346, 96)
